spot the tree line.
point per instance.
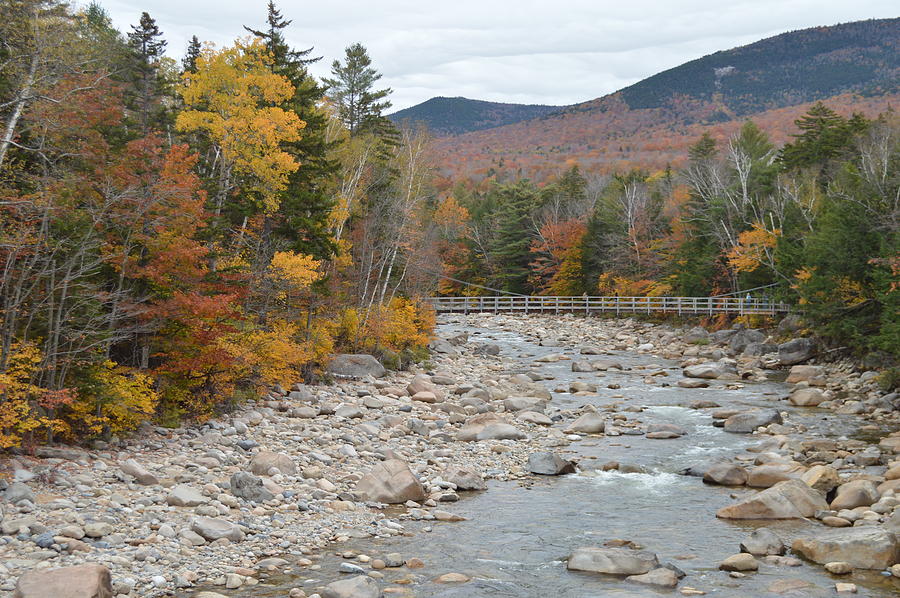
(177, 235)
(813, 223)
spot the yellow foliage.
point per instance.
(610, 285)
(399, 325)
(295, 270)
(232, 97)
(751, 250)
(117, 398)
(20, 410)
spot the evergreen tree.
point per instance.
(352, 88)
(510, 250)
(148, 86)
(825, 135)
(302, 221)
(189, 62)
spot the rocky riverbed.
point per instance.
(289, 496)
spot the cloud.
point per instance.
(530, 51)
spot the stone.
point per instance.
(858, 493)
(582, 366)
(488, 426)
(865, 547)
(791, 587)
(183, 495)
(725, 474)
(839, 568)
(249, 487)
(612, 561)
(464, 478)
(696, 335)
(806, 397)
(832, 521)
(796, 351)
(845, 588)
(452, 578)
(355, 366)
(708, 371)
(589, 423)
(524, 404)
(361, 586)
(762, 542)
(425, 396)
(804, 373)
(211, 529)
(98, 529)
(532, 417)
(138, 472)
(744, 338)
(739, 562)
(766, 476)
(17, 492)
(747, 422)
(81, 581)
(547, 463)
(823, 478)
(263, 461)
(390, 482)
(791, 499)
(665, 431)
(661, 576)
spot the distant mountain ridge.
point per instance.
(852, 64)
(453, 116)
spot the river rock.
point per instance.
(725, 474)
(786, 500)
(805, 373)
(582, 366)
(81, 581)
(361, 586)
(264, 461)
(743, 338)
(766, 476)
(183, 495)
(488, 426)
(421, 383)
(533, 417)
(864, 547)
(660, 576)
(464, 478)
(739, 562)
(547, 463)
(390, 482)
(249, 487)
(211, 529)
(137, 471)
(524, 404)
(355, 366)
(806, 397)
(589, 423)
(796, 351)
(696, 335)
(17, 492)
(858, 493)
(612, 561)
(746, 422)
(762, 542)
(823, 478)
(709, 371)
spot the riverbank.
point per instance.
(299, 457)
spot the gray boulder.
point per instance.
(137, 471)
(355, 366)
(696, 335)
(725, 474)
(864, 547)
(762, 542)
(589, 423)
(791, 499)
(263, 461)
(211, 529)
(390, 482)
(464, 478)
(612, 561)
(81, 581)
(361, 586)
(746, 422)
(547, 463)
(745, 337)
(796, 351)
(18, 492)
(183, 495)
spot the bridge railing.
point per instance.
(596, 304)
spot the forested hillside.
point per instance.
(452, 116)
(177, 236)
(856, 66)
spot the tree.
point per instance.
(824, 135)
(189, 62)
(148, 48)
(352, 89)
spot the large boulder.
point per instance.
(858, 493)
(864, 547)
(743, 338)
(390, 482)
(746, 422)
(589, 423)
(806, 397)
(422, 383)
(796, 351)
(211, 529)
(805, 373)
(725, 474)
(488, 426)
(137, 471)
(524, 404)
(464, 478)
(612, 561)
(709, 371)
(766, 476)
(762, 542)
(249, 487)
(823, 478)
(264, 461)
(696, 335)
(183, 495)
(547, 463)
(361, 586)
(81, 581)
(355, 366)
(786, 500)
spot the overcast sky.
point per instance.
(524, 51)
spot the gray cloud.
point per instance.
(530, 51)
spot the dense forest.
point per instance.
(452, 116)
(176, 235)
(813, 222)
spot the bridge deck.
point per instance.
(617, 305)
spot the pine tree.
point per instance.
(189, 62)
(352, 89)
(510, 250)
(148, 48)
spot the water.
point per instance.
(518, 534)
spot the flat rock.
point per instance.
(762, 542)
(249, 487)
(864, 547)
(464, 478)
(786, 500)
(355, 366)
(660, 576)
(81, 581)
(183, 495)
(390, 482)
(264, 461)
(137, 471)
(725, 474)
(212, 529)
(361, 586)
(746, 422)
(588, 423)
(612, 561)
(547, 463)
(739, 562)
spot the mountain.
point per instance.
(852, 66)
(453, 116)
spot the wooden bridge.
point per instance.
(616, 305)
